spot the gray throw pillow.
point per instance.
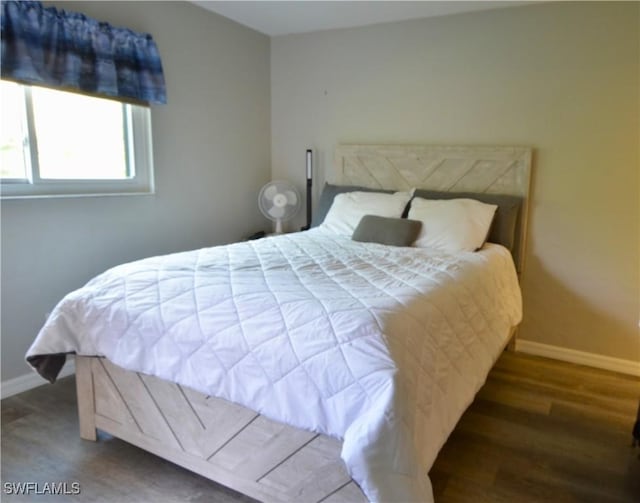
(387, 231)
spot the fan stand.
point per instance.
(278, 226)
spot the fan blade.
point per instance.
(270, 192)
(292, 197)
(276, 212)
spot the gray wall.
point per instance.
(563, 78)
(211, 150)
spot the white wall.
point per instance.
(563, 78)
(211, 151)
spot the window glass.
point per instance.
(79, 137)
(13, 134)
(56, 143)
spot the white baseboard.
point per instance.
(32, 380)
(580, 357)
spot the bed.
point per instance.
(355, 359)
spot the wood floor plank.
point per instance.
(511, 394)
(548, 372)
(479, 464)
(571, 392)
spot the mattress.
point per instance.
(383, 347)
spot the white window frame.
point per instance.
(139, 153)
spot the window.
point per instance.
(56, 143)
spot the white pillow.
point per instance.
(452, 225)
(348, 209)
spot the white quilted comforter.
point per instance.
(383, 347)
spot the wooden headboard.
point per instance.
(482, 169)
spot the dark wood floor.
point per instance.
(539, 431)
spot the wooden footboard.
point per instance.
(219, 440)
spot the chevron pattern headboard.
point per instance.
(479, 169)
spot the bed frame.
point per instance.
(234, 445)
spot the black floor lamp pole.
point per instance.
(309, 188)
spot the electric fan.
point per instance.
(279, 201)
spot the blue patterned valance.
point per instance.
(55, 48)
